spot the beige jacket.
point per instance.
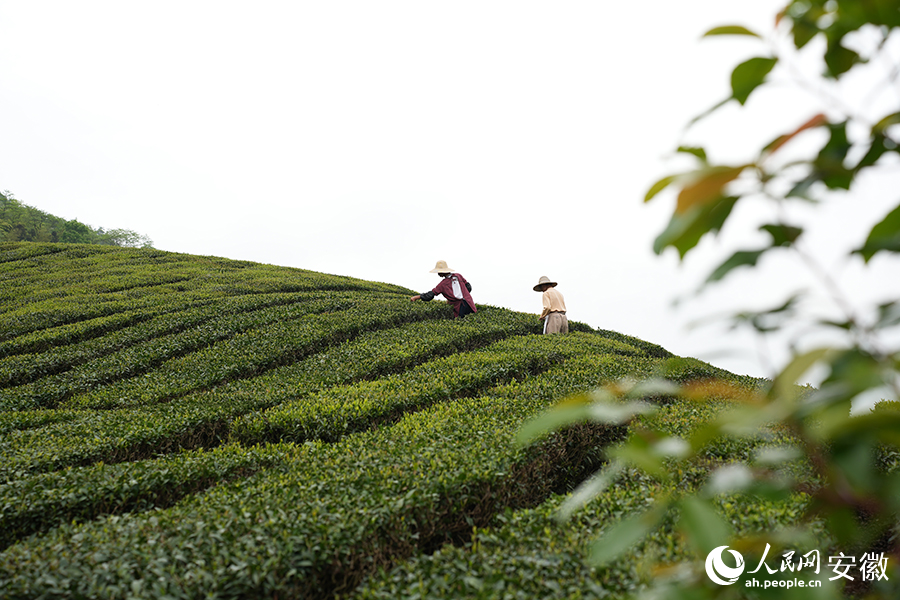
(553, 302)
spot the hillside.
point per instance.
(184, 426)
(22, 223)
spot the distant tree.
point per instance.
(22, 223)
(125, 237)
(854, 492)
(75, 232)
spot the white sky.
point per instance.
(513, 139)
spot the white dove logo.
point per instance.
(721, 573)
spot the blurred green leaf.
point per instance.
(551, 420)
(685, 230)
(782, 235)
(770, 319)
(616, 414)
(843, 525)
(885, 122)
(599, 406)
(888, 315)
(702, 525)
(749, 75)
(839, 59)
(591, 488)
(856, 367)
(637, 452)
(729, 479)
(846, 325)
(784, 385)
(829, 164)
(730, 30)
(803, 30)
(738, 259)
(709, 111)
(771, 456)
(885, 236)
(802, 187)
(854, 458)
(878, 147)
(625, 534)
(695, 151)
(816, 121)
(655, 386)
(659, 186)
(707, 185)
(672, 447)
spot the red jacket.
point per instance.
(445, 289)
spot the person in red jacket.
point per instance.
(453, 287)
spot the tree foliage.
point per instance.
(850, 480)
(22, 223)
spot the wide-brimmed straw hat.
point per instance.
(544, 280)
(441, 267)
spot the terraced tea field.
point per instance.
(180, 426)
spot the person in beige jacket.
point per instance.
(554, 313)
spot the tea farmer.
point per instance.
(554, 313)
(453, 287)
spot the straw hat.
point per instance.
(544, 280)
(441, 267)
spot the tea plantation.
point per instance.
(176, 426)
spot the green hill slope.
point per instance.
(184, 426)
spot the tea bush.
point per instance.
(41, 502)
(331, 414)
(141, 387)
(60, 352)
(204, 418)
(138, 358)
(338, 511)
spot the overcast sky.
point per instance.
(512, 139)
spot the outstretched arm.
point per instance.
(545, 300)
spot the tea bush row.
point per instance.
(41, 502)
(379, 352)
(46, 339)
(248, 353)
(11, 420)
(144, 357)
(81, 437)
(16, 370)
(69, 300)
(531, 554)
(203, 419)
(84, 271)
(339, 511)
(372, 354)
(468, 333)
(10, 251)
(333, 413)
(119, 435)
(649, 348)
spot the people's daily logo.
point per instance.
(721, 573)
(794, 570)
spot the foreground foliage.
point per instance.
(848, 449)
